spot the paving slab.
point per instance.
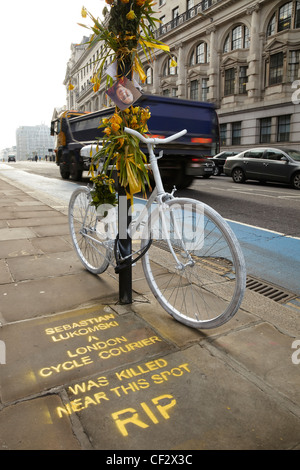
(29, 426)
(184, 400)
(22, 233)
(62, 348)
(179, 334)
(18, 248)
(43, 266)
(52, 230)
(38, 297)
(37, 221)
(17, 212)
(54, 244)
(267, 353)
(5, 276)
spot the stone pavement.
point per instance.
(79, 371)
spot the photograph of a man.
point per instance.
(123, 93)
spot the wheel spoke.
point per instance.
(198, 274)
(92, 251)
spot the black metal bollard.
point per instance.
(125, 247)
(124, 220)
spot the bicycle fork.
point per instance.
(179, 236)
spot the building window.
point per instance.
(149, 76)
(168, 69)
(285, 17)
(238, 38)
(272, 26)
(283, 128)
(223, 134)
(265, 130)
(297, 15)
(229, 82)
(204, 89)
(236, 133)
(200, 54)
(243, 80)
(175, 16)
(189, 4)
(293, 66)
(206, 4)
(276, 69)
(194, 90)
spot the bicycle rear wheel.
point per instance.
(91, 250)
(194, 267)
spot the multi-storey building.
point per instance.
(243, 56)
(34, 140)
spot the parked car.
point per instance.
(219, 161)
(11, 158)
(205, 166)
(265, 164)
(200, 166)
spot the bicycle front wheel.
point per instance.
(91, 250)
(194, 267)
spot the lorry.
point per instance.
(182, 161)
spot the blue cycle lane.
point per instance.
(270, 256)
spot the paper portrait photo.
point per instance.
(123, 93)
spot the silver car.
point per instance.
(265, 164)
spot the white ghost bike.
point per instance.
(191, 258)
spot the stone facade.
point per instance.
(243, 56)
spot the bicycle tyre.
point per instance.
(207, 289)
(93, 254)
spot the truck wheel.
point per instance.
(176, 178)
(64, 171)
(75, 172)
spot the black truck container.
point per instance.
(183, 159)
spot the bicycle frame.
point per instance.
(158, 195)
(191, 258)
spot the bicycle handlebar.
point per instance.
(155, 140)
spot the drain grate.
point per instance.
(267, 289)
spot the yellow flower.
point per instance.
(121, 142)
(116, 118)
(140, 3)
(115, 127)
(173, 62)
(133, 122)
(107, 131)
(83, 12)
(125, 1)
(70, 87)
(96, 86)
(131, 15)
